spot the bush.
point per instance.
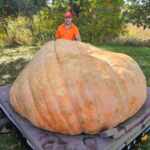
(134, 36)
(41, 26)
(100, 21)
(26, 31)
(3, 34)
(19, 31)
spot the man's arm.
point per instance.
(78, 37)
(57, 34)
(77, 34)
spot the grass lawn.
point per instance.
(12, 61)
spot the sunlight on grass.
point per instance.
(13, 60)
(9, 54)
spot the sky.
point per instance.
(49, 1)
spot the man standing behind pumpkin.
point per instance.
(68, 30)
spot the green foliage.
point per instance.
(98, 22)
(18, 31)
(3, 34)
(138, 12)
(8, 7)
(42, 26)
(11, 141)
(30, 7)
(21, 7)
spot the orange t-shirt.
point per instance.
(67, 33)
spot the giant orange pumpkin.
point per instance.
(72, 87)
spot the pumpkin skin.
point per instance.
(72, 87)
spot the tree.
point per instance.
(98, 20)
(101, 21)
(138, 12)
(21, 7)
(7, 7)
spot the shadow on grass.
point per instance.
(10, 70)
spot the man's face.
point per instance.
(68, 20)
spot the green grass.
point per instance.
(13, 60)
(11, 142)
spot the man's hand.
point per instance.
(78, 38)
